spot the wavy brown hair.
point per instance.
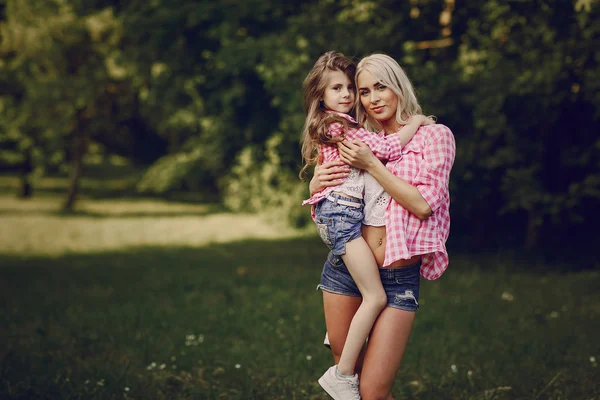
(317, 119)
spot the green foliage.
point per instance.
(242, 321)
(260, 184)
(211, 84)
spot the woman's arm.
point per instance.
(360, 156)
(430, 186)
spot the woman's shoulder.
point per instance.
(436, 130)
(435, 133)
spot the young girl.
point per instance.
(329, 95)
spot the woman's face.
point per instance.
(379, 101)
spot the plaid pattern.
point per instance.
(426, 163)
(384, 147)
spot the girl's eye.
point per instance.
(363, 93)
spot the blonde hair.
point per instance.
(389, 73)
(317, 119)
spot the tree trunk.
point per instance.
(80, 147)
(531, 237)
(25, 189)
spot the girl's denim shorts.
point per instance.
(338, 224)
(400, 284)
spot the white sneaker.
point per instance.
(340, 388)
(326, 341)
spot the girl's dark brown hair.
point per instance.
(317, 119)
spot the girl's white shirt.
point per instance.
(376, 201)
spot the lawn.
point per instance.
(144, 299)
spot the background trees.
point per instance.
(207, 96)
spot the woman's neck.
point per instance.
(391, 125)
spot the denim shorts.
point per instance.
(338, 224)
(401, 285)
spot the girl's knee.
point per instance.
(377, 301)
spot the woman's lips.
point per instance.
(378, 110)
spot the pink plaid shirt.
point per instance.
(426, 163)
(384, 147)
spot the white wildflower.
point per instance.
(309, 357)
(453, 368)
(126, 388)
(162, 366)
(553, 314)
(506, 296)
(238, 366)
(592, 359)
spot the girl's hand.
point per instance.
(331, 173)
(422, 120)
(357, 154)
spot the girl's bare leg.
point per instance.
(364, 270)
(384, 353)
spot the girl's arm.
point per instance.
(389, 147)
(408, 131)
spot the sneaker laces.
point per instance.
(354, 388)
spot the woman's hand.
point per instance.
(331, 173)
(357, 154)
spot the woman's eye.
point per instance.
(381, 87)
(363, 93)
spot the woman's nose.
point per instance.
(374, 97)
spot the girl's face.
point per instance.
(379, 101)
(339, 93)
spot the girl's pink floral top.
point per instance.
(384, 147)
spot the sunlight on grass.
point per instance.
(35, 227)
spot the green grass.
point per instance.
(91, 322)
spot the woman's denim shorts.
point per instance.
(400, 284)
(339, 224)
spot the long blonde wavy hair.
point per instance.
(389, 73)
(317, 117)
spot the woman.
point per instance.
(411, 241)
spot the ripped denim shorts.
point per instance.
(400, 284)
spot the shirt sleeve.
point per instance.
(434, 172)
(388, 147)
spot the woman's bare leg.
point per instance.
(339, 311)
(384, 353)
(364, 270)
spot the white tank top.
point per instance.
(376, 201)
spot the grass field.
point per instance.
(144, 299)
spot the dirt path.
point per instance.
(34, 227)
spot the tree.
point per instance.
(67, 81)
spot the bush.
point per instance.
(258, 183)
